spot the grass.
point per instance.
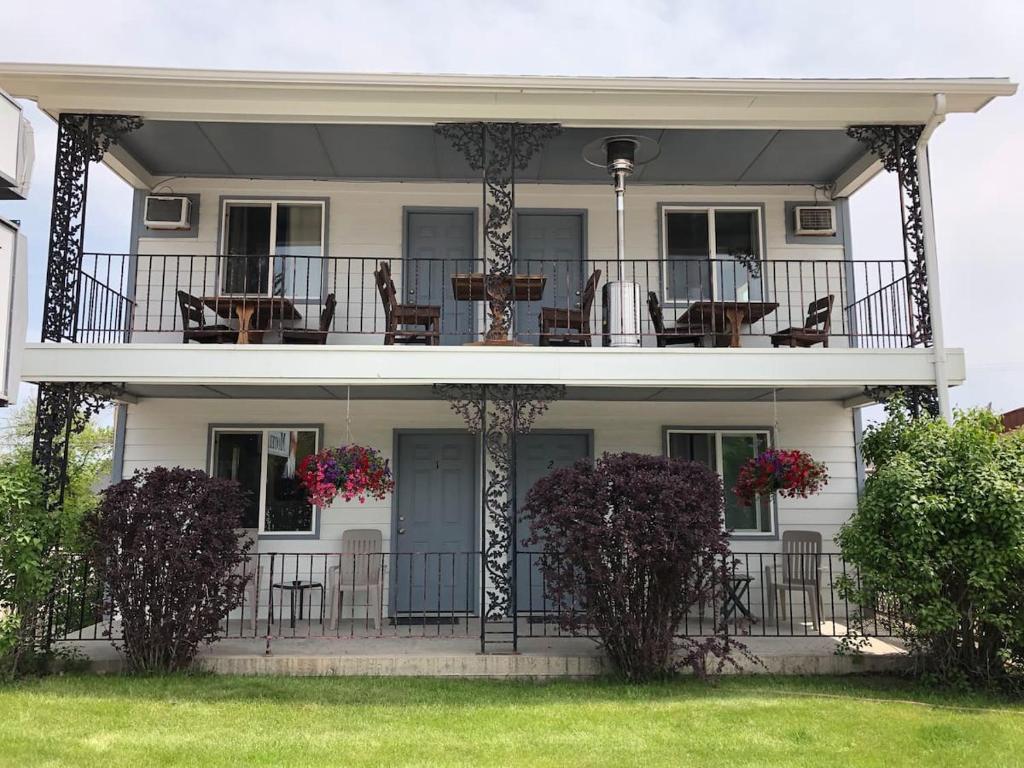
(752, 721)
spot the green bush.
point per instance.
(938, 542)
(36, 539)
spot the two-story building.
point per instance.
(564, 266)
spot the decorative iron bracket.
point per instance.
(65, 409)
(499, 413)
(498, 151)
(920, 400)
(896, 147)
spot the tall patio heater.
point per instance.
(621, 298)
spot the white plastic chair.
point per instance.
(360, 569)
(800, 572)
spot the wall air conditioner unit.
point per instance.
(168, 212)
(13, 308)
(815, 220)
(17, 150)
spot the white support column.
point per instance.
(931, 258)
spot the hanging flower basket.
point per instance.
(788, 473)
(351, 471)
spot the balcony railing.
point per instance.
(135, 298)
(436, 594)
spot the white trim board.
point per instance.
(283, 365)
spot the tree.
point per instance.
(631, 544)
(36, 536)
(938, 541)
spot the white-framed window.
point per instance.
(273, 248)
(700, 245)
(263, 460)
(725, 451)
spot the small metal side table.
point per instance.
(300, 586)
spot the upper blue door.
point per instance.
(549, 244)
(438, 245)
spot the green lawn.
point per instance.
(215, 721)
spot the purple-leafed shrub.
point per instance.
(631, 544)
(171, 556)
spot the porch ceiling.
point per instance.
(166, 148)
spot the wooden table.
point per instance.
(498, 291)
(248, 309)
(730, 314)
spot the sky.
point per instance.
(977, 160)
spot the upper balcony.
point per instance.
(677, 302)
(369, 148)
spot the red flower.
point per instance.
(788, 473)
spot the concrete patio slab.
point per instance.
(538, 658)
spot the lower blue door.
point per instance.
(434, 568)
(538, 453)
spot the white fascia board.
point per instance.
(863, 170)
(293, 365)
(423, 99)
(128, 168)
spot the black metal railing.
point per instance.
(883, 317)
(125, 297)
(437, 595)
(769, 594)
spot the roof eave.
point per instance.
(574, 101)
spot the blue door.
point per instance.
(538, 454)
(438, 245)
(434, 568)
(549, 244)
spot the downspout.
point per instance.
(931, 258)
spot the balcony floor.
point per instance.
(378, 372)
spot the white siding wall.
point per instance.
(175, 433)
(365, 221)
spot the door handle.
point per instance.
(401, 530)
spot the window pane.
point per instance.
(686, 248)
(736, 450)
(287, 508)
(692, 446)
(298, 269)
(238, 456)
(736, 233)
(247, 265)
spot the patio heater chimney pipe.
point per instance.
(621, 162)
(620, 219)
(931, 258)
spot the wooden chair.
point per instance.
(360, 568)
(815, 330)
(194, 326)
(667, 337)
(578, 320)
(311, 336)
(396, 315)
(799, 571)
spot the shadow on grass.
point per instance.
(454, 693)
